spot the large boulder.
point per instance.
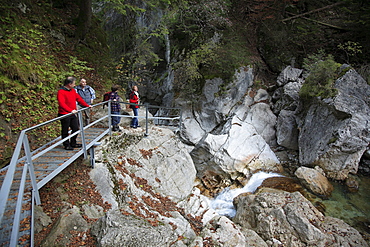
(117, 229)
(160, 158)
(314, 181)
(61, 232)
(286, 130)
(288, 219)
(334, 134)
(222, 230)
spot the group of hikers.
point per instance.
(70, 97)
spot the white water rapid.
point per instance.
(223, 203)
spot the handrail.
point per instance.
(32, 155)
(5, 188)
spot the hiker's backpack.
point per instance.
(106, 97)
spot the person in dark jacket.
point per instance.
(67, 98)
(115, 107)
(135, 99)
(87, 93)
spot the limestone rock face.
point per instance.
(232, 130)
(335, 132)
(287, 106)
(330, 133)
(289, 74)
(222, 230)
(289, 219)
(314, 181)
(263, 120)
(116, 229)
(214, 106)
(286, 130)
(242, 150)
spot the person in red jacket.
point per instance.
(134, 98)
(67, 98)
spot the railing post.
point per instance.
(80, 119)
(27, 151)
(32, 220)
(146, 118)
(180, 122)
(92, 154)
(109, 118)
(7, 183)
(18, 209)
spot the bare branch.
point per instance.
(312, 11)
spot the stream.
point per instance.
(223, 203)
(353, 208)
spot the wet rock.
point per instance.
(214, 182)
(282, 183)
(352, 184)
(314, 181)
(364, 167)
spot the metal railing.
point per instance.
(30, 156)
(172, 117)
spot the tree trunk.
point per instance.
(84, 18)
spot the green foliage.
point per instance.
(323, 71)
(76, 67)
(206, 45)
(33, 62)
(133, 65)
(350, 48)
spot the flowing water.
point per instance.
(353, 208)
(223, 203)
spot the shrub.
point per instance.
(322, 73)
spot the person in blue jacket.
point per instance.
(87, 93)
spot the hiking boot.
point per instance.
(68, 148)
(76, 145)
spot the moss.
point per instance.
(344, 71)
(332, 140)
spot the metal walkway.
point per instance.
(22, 179)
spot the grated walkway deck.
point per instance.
(46, 167)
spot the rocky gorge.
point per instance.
(159, 187)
